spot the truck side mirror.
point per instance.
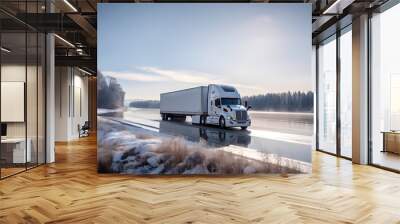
(245, 104)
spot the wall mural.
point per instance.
(204, 89)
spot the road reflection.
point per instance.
(215, 137)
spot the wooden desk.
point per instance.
(16, 147)
(391, 141)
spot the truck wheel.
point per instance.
(164, 117)
(202, 120)
(244, 128)
(222, 122)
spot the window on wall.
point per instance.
(327, 95)
(335, 74)
(385, 89)
(346, 92)
(394, 101)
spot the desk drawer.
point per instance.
(6, 154)
(392, 142)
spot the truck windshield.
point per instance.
(230, 101)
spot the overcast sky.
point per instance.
(155, 48)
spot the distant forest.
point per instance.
(287, 101)
(109, 92)
(145, 104)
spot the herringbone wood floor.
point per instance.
(71, 191)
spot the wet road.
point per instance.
(284, 134)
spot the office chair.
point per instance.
(84, 130)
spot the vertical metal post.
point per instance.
(45, 96)
(37, 92)
(369, 96)
(317, 97)
(26, 86)
(338, 81)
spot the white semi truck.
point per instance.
(213, 104)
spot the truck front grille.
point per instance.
(241, 115)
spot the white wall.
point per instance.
(12, 73)
(33, 126)
(71, 102)
(16, 73)
(62, 81)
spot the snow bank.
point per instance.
(122, 151)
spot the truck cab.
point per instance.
(225, 107)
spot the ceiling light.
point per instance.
(338, 6)
(70, 5)
(84, 71)
(5, 50)
(65, 41)
(79, 51)
(326, 11)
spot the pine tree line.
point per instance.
(286, 101)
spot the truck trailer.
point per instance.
(213, 104)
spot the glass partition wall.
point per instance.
(334, 83)
(13, 85)
(345, 62)
(385, 89)
(22, 107)
(327, 95)
(334, 86)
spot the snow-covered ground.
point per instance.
(125, 147)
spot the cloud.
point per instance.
(181, 76)
(238, 85)
(154, 74)
(133, 76)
